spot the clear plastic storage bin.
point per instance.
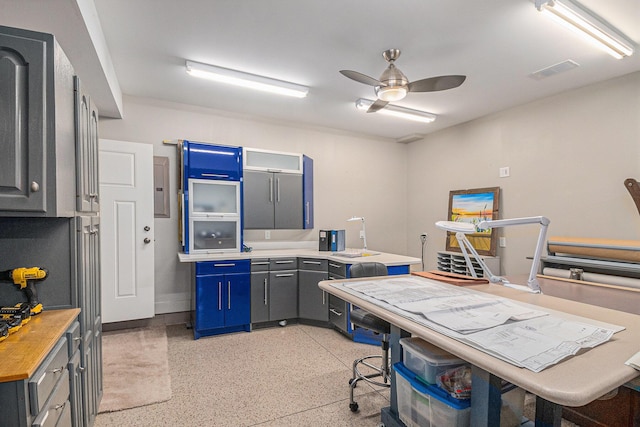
(426, 360)
(422, 405)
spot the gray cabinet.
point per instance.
(272, 200)
(88, 264)
(274, 290)
(313, 302)
(36, 126)
(48, 177)
(339, 308)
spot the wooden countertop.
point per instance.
(384, 258)
(23, 351)
(575, 381)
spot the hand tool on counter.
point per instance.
(15, 317)
(25, 278)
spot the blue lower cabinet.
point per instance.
(222, 297)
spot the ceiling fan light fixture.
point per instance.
(391, 93)
(247, 80)
(397, 111)
(584, 23)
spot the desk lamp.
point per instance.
(363, 234)
(462, 229)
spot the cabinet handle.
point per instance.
(224, 265)
(312, 262)
(265, 292)
(260, 263)
(60, 406)
(324, 297)
(284, 262)
(219, 296)
(271, 190)
(307, 217)
(57, 370)
(278, 190)
(334, 265)
(229, 295)
(216, 175)
(35, 187)
(284, 275)
(336, 312)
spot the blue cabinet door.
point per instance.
(307, 192)
(210, 312)
(213, 161)
(238, 299)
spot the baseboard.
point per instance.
(157, 320)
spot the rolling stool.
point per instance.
(366, 320)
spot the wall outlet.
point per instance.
(267, 234)
(504, 172)
(361, 234)
(502, 242)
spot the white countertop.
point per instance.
(376, 256)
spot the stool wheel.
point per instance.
(353, 406)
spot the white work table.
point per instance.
(384, 258)
(575, 381)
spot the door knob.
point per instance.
(147, 240)
(147, 228)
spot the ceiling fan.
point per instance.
(393, 85)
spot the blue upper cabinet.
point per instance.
(206, 161)
(307, 192)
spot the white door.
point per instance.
(126, 240)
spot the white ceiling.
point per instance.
(495, 43)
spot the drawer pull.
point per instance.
(224, 265)
(284, 275)
(312, 262)
(260, 263)
(60, 406)
(336, 312)
(335, 265)
(57, 370)
(284, 262)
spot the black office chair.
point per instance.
(366, 320)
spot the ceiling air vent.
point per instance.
(558, 68)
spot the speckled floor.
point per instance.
(295, 375)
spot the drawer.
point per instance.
(276, 264)
(58, 408)
(259, 264)
(223, 267)
(46, 377)
(313, 264)
(73, 337)
(337, 269)
(338, 313)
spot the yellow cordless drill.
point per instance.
(25, 278)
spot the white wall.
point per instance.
(569, 156)
(353, 175)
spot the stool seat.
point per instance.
(364, 319)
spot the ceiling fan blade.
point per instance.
(359, 77)
(434, 84)
(378, 105)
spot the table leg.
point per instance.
(389, 415)
(486, 398)
(548, 414)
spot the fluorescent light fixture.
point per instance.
(363, 233)
(586, 24)
(252, 81)
(462, 228)
(396, 111)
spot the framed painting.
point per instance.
(473, 206)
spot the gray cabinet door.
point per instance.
(258, 200)
(288, 201)
(283, 295)
(86, 120)
(313, 302)
(259, 297)
(22, 130)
